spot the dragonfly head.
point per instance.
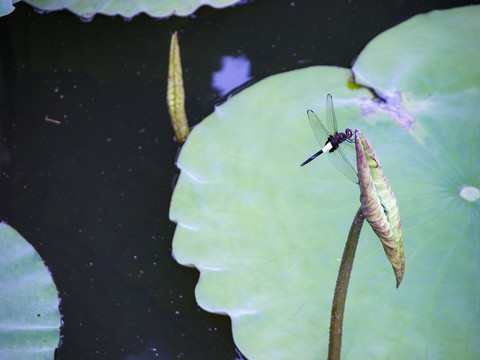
(349, 133)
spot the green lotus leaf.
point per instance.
(267, 235)
(29, 315)
(6, 6)
(155, 8)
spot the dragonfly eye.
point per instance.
(349, 133)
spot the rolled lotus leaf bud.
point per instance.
(378, 204)
(176, 93)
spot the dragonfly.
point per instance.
(338, 145)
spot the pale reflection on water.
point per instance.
(234, 72)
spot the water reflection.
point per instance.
(234, 72)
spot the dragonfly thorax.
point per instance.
(337, 138)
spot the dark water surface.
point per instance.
(92, 193)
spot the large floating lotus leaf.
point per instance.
(268, 235)
(29, 316)
(6, 6)
(155, 8)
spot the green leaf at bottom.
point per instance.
(29, 316)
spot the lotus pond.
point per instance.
(89, 170)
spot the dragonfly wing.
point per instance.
(344, 159)
(320, 131)
(331, 119)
